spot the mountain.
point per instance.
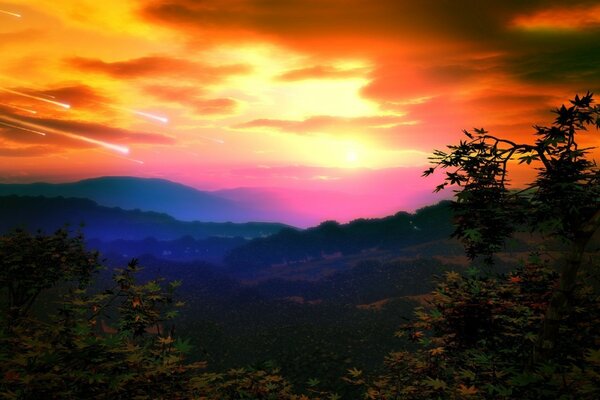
(180, 201)
(306, 200)
(307, 207)
(331, 239)
(108, 224)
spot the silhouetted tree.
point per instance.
(563, 200)
(30, 264)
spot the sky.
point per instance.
(344, 99)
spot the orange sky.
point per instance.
(297, 94)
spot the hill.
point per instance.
(182, 202)
(331, 240)
(105, 223)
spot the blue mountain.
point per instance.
(179, 201)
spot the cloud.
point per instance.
(508, 111)
(215, 106)
(76, 95)
(431, 43)
(576, 65)
(158, 66)
(31, 151)
(192, 97)
(560, 17)
(324, 123)
(320, 72)
(174, 93)
(295, 21)
(9, 149)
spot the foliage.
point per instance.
(249, 383)
(532, 334)
(112, 344)
(331, 239)
(75, 354)
(30, 264)
(562, 199)
(477, 337)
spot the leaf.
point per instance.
(467, 390)
(436, 384)
(183, 345)
(593, 356)
(452, 276)
(472, 234)
(313, 382)
(437, 351)
(165, 340)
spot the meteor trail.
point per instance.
(38, 88)
(151, 116)
(19, 108)
(57, 103)
(164, 120)
(11, 13)
(23, 129)
(31, 125)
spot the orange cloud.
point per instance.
(324, 122)
(156, 66)
(562, 18)
(174, 93)
(76, 95)
(190, 96)
(215, 106)
(11, 149)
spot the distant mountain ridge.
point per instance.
(331, 239)
(107, 223)
(148, 194)
(302, 204)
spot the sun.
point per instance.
(351, 156)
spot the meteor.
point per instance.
(31, 125)
(164, 120)
(30, 96)
(19, 108)
(11, 13)
(23, 129)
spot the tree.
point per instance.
(563, 201)
(69, 352)
(30, 264)
(474, 339)
(116, 343)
